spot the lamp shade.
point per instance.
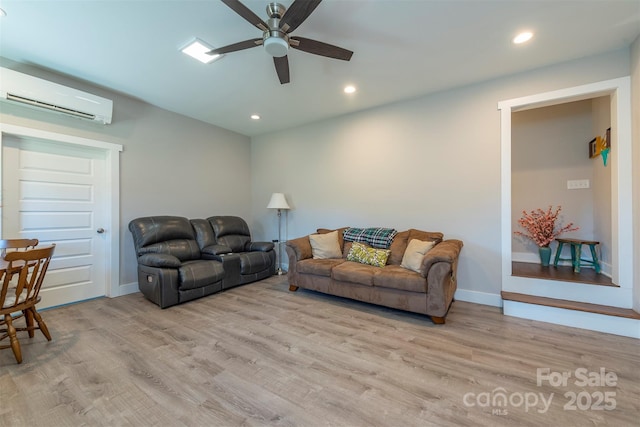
(278, 201)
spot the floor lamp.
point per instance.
(279, 202)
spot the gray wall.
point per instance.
(549, 147)
(431, 163)
(171, 164)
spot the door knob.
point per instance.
(100, 230)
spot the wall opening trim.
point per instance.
(619, 91)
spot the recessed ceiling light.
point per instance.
(523, 37)
(349, 89)
(198, 49)
(255, 117)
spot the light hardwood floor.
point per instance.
(261, 355)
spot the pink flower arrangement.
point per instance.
(541, 226)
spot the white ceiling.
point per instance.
(402, 49)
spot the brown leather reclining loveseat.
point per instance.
(180, 259)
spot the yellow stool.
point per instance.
(576, 253)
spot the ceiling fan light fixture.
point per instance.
(276, 46)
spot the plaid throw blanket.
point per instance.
(375, 237)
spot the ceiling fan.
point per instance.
(276, 34)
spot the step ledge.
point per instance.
(571, 305)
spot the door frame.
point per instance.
(112, 185)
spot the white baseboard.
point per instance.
(484, 298)
(126, 289)
(574, 318)
(530, 258)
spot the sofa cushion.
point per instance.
(366, 255)
(354, 272)
(425, 235)
(196, 274)
(396, 277)
(154, 229)
(414, 254)
(318, 267)
(346, 249)
(398, 247)
(204, 233)
(325, 246)
(231, 231)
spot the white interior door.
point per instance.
(55, 192)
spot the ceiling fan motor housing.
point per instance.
(275, 41)
(275, 10)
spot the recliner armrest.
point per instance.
(216, 250)
(159, 260)
(259, 246)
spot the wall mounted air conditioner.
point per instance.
(39, 93)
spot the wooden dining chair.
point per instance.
(18, 244)
(30, 266)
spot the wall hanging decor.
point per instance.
(594, 147)
(606, 146)
(600, 146)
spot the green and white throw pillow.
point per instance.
(367, 255)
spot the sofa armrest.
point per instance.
(440, 266)
(300, 248)
(259, 246)
(216, 250)
(446, 251)
(159, 260)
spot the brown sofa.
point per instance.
(429, 292)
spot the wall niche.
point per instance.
(550, 147)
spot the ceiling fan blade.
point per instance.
(246, 13)
(282, 68)
(320, 48)
(297, 13)
(236, 46)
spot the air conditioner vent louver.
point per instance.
(43, 94)
(57, 108)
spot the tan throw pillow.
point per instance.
(414, 254)
(325, 246)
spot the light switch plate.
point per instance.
(577, 184)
